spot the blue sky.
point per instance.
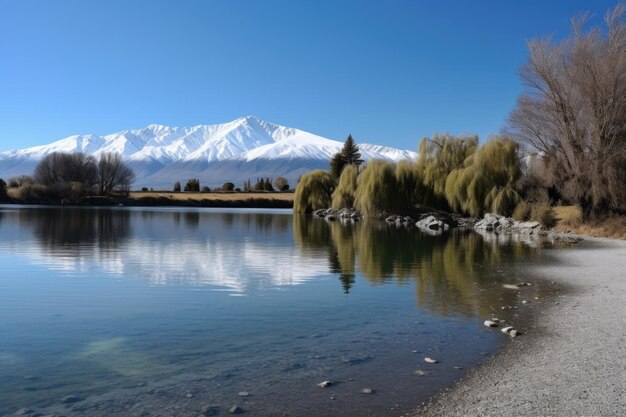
(389, 72)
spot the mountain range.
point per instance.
(245, 148)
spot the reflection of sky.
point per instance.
(247, 252)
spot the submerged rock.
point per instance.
(430, 360)
(419, 372)
(243, 393)
(325, 384)
(235, 409)
(367, 391)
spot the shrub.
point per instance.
(228, 186)
(313, 191)
(193, 185)
(522, 211)
(376, 189)
(144, 189)
(281, 184)
(543, 214)
(343, 196)
(206, 189)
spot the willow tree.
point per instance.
(313, 191)
(438, 157)
(376, 189)
(343, 196)
(487, 181)
(407, 184)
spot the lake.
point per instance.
(187, 312)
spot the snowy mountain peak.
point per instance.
(246, 147)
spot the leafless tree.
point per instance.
(58, 167)
(573, 112)
(114, 174)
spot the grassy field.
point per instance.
(213, 196)
(569, 220)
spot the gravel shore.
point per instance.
(572, 362)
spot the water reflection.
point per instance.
(250, 252)
(460, 273)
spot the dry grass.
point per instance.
(569, 220)
(213, 196)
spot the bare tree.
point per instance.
(58, 167)
(114, 174)
(573, 112)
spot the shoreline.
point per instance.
(572, 361)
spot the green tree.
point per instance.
(3, 190)
(193, 185)
(177, 187)
(487, 181)
(407, 184)
(313, 191)
(336, 165)
(438, 156)
(267, 185)
(343, 196)
(228, 186)
(376, 189)
(350, 152)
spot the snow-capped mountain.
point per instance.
(245, 148)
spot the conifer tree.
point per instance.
(336, 165)
(350, 152)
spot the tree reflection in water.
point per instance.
(459, 273)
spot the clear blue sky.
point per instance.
(389, 72)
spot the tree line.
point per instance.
(71, 176)
(262, 184)
(565, 142)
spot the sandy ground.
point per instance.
(572, 362)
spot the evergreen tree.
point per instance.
(177, 187)
(336, 165)
(3, 190)
(350, 152)
(267, 185)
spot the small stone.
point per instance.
(325, 384)
(243, 393)
(458, 368)
(189, 395)
(419, 372)
(507, 329)
(514, 333)
(235, 409)
(430, 360)
(332, 398)
(70, 399)
(490, 323)
(524, 302)
(367, 391)
(510, 286)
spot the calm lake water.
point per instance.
(174, 312)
